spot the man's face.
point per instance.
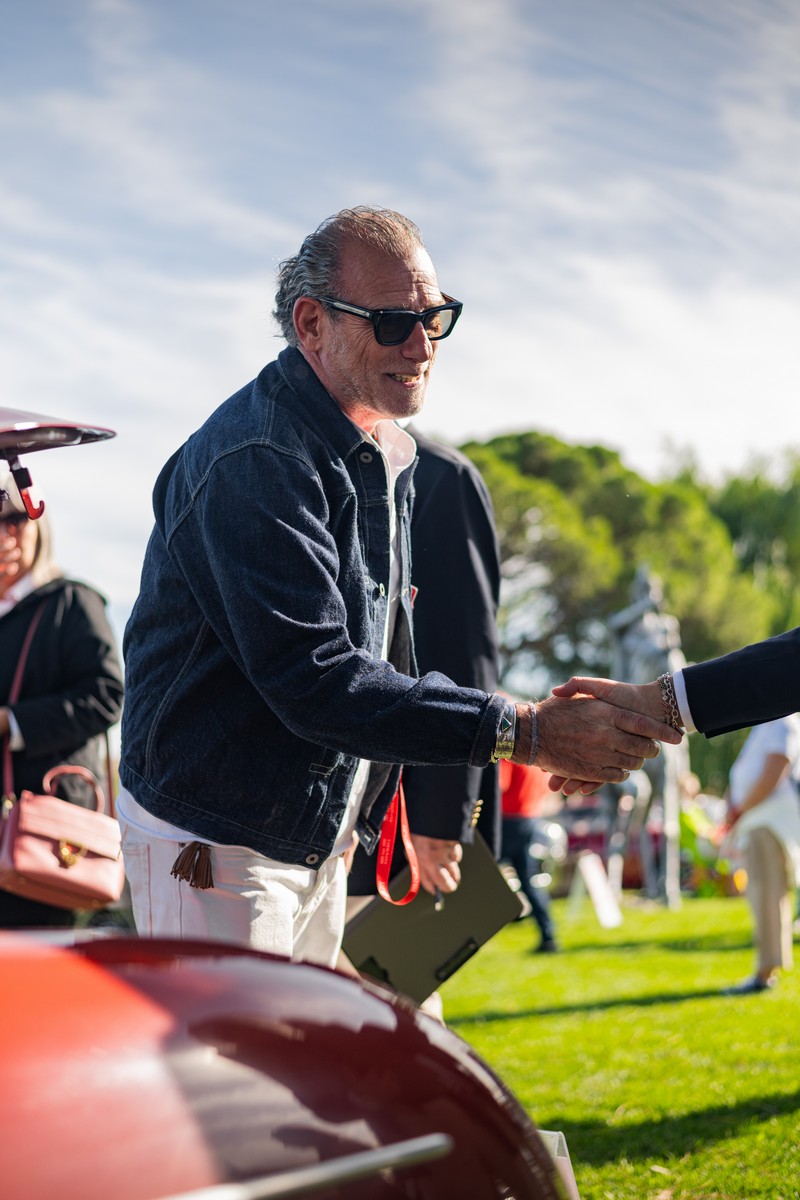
(370, 381)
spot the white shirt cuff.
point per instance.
(683, 702)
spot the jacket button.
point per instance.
(382, 589)
(311, 859)
(365, 456)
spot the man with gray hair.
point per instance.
(271, 688)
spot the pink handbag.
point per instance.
(51, 850)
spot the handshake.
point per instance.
(593, 731)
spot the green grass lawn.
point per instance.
(664, 1089)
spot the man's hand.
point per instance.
(630, 698)
(438, 863)
(640, 697)
(587, 741)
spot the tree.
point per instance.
(574, 524)
(762, 514)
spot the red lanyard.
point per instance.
(386, 849)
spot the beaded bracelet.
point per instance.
(534, 750)
(670, 702)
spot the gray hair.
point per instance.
(314, 270)
(44, 567)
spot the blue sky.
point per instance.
(612, 187)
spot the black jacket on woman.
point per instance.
(71, 694)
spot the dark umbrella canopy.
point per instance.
(22, 432)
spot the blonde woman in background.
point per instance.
(72, 683)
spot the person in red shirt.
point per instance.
(524, 791)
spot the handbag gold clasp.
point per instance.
(68, 854)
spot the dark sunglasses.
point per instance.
(392, 326)
(13, 518)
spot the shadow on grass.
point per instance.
(714, 942)
(561, 1010)
(595, 1143)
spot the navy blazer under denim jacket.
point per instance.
(253, 679)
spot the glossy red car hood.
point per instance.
(133, 1069)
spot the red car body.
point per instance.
(134, 1069)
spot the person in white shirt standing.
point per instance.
(765, 820)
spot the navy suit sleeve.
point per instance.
(747, 687)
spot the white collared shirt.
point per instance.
(397, 449)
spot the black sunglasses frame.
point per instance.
(376, 315)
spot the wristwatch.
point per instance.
(506, 733)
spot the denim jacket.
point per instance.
(253, 680)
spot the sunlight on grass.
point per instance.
(664, 1088)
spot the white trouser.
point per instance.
(255, 901)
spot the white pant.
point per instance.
(255, 901)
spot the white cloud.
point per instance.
(637, 299)
(636, 365)
(614, 197)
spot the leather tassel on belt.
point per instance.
(193, 865)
